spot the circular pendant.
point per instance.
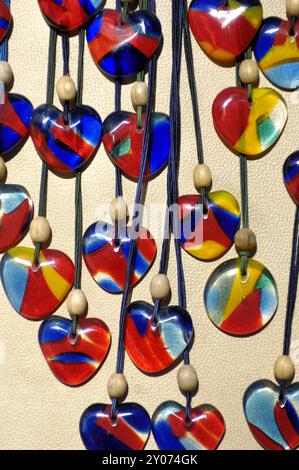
(291, 176)
(208, 236)
(277, 52)
(241, 305)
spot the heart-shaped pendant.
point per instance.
(129, 431)
(74, 360)
(121, 50)
(154, 347)
(223, 29)
(208, 236)
(291, 176)
(66, 147)
(171, 431)
(249, 128)
(5, 20)
(123, 143)
(241, 305)
(69, 15)
(36, 291)
(106, 260)
(15, 114)
(274, 424)
(16, 212)
(277, 52)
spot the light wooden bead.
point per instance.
(160, 287)
(284, 369)
(139, 94)
(202, 177)
(245, 240)
(6, 75)
(40, 230)
(117, 386)
(249, 71)
(292, 7)
(187, 379)
(77, 303)
(118, 210)
(66, 88)
(2, 169)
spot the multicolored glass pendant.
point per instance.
(130, 430)
(223, 29)
(277, 52)
(106, 259)
(155, 346)
(123, 142)
(121, 50)
(69, 15)
(291, 176)
(74, 360)
(66, 147)
(241, 305)
(36, 291)
(274, 424)
(250, 128)
(171, 431)
(5, 20)
(209, 235)
(15, 114)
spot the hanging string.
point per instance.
(152, 68)
(66, 70)
(118, 181)
(42, 207)
(4, 45)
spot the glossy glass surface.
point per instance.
(277, 53)
(249, 128)
(225, 31)
(107, 260)
(291, 176)
(171, 432)
(130, 431)
(74, 360)
(15, 215)
(123, 50)
(154, 347)
(123, 143)
(36, 291)
(66, 147)
(208, 236)
(5, 20)
(240, 305)
(69, 15)
(275, 425)
(15, 114)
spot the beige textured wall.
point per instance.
(37, 412)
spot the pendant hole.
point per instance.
(139, 130)
(114, 420)
(292, 39)
(281, 404)
(35, 267)
(154, 324)
(73, 339)
(244, 278)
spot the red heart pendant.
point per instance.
(171, 431)
(291, 176)
(74, 361)
(5, 20)
(36, 291)
(224, 30)
(250, 128)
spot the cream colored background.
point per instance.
(37, 412)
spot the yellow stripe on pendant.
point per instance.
(56, 283)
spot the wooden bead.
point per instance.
(77, 303)
(117, 386)
(119, 210)
(139, 94)
(249, 71)
(292, 7)
(245, 240)
(40, 230)
(2, 169)
(187, 379)
(284, 369)
(160, 287)
(202, 177)
(6, 75)
(66, 88)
